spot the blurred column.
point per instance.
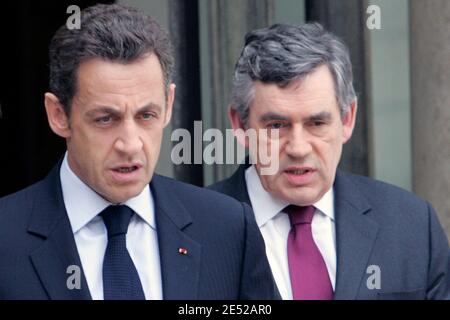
(224, 24)
(346, 19)
(184, 32)
(430, 89)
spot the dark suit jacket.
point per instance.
(225, 260)
(381, 225)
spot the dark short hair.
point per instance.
(111, 32)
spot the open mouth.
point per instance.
(126, 169)
(299, 171)
(300, 176)
(126, 173)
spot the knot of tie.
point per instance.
(117, 219)
(300, 215)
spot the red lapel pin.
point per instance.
(182, 251)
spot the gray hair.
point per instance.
(110, 32)
(284, 53)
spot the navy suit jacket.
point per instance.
(379, 225)
(225, 260)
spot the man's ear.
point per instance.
(56, 116)
(238, 126)
(169, 104)
(349, 120)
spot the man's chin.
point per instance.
(300, 198)
(121, 197)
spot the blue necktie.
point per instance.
(120, 277)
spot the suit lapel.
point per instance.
(58, 251)
(179, 270)
(355, 236)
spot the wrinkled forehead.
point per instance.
(111, 83)
(313, 90)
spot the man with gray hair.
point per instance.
(102, 224)
(328, 234)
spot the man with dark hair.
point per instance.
(328, 234)
(102, 225)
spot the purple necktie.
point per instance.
(307, 269)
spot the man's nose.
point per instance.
(129, 140)
(298, 144)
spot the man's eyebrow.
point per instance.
(321, 116)
(270, 116)
(114, 112)
(103, 110)
(150, 106)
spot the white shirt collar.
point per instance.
(266, 206)
(83, 204)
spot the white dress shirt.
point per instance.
(83, 206)
(275, 226)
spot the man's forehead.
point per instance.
(281, 101)
(111, 84)
(100, 71)
(318, 78)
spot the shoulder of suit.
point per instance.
(382, 193)
(15, 211)
(21, 198)
(219, 186)
(228, 185)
